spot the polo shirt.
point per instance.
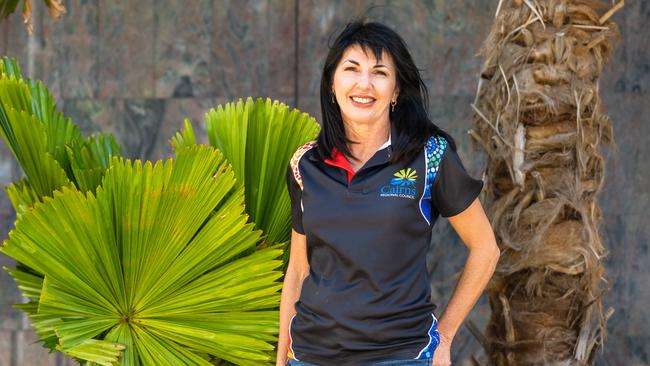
(367, 295)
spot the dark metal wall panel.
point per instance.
(183, 33)
(137, 69)
(253, 49)
(125, 66)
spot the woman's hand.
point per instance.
(442, 354)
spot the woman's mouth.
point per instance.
(362, 101)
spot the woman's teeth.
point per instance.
(362, 100)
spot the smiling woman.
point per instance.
(364, 87)
(364, 197)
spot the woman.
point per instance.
(364, 198)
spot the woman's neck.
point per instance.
(368, 138)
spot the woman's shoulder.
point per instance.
(300, 152)
(436, 144)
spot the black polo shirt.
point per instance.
(367, 296)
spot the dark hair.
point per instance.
(410, 117)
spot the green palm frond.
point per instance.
(9, 67)
(97, 352)
(258, 139)
(27, 139)
(52, 154)
(21, 195)
(90, 159)
(30, 285)
(185, 137)
(152, 267)
(49, 148)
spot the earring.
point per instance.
(333, 101)
(392, 105)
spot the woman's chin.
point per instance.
(361, 116)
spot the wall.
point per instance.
(137, 68)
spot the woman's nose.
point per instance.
(364, 79)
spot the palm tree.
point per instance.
(539, 118)
(7, 7)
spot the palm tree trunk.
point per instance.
(539, 117)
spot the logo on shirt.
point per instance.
(401, 185)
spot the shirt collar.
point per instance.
(386, 144)
(337, 155)
(338, 159)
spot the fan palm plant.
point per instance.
(159, 264)
(50, 150)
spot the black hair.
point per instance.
(410, 117)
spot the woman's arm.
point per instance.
(297, 270)
(475, 231)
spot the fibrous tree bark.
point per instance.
(539, 117)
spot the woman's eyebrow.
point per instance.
(356, 63)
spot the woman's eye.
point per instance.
(374, 72)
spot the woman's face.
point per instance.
(364, 86)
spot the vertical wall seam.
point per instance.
(60, 359)
(5, 25)
(154, 88)
(18, 349)
(98, 49)
(12, 348)
(296, 56)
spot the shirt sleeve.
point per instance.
(453, 189)
(295, 194)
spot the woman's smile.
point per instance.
(362, 102)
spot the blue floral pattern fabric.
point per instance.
(434, 341)
(434, 149)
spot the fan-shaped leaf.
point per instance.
(21, 195)
(258, 139)
(91, 158)
(9, 66)
(159, 247)
(95, 351)
(185, 137)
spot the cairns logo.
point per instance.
(402, 185)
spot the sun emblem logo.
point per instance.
(404, 177)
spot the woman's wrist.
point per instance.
(445, 338)
(446, 335)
